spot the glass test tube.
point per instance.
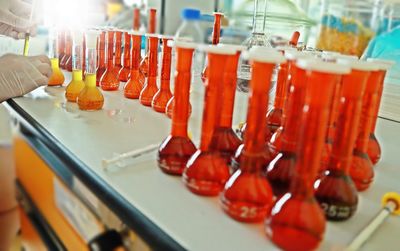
(224, 140)
(164, 94)
(215, 37)
(374, 149)
(90, 98)
(76, 85)
(361, 170)
(335, 190)
(206, 171)
(118, 53)
(287, 228)
(281, 169)
(151, 29)
(123, 74)
(57, 77)
(101, 56)
(109, 81)
(150, 87)
(133, 87)
(247, 195)
(177, 148)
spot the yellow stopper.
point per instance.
(394, 197)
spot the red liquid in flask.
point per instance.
(224, 140)
(164, 94)
(133, 87)
(118, 53)
(150, 88)
(274, 116)
(177, 148)
(335, 190)
(206, 171)
(361, 170)
(215, 38)
(109, 81)
(101, 46)
(281, 169)
(297, 221)
(247, 195)
(333, 116)
(374, 148)
(123, 74)
(170, 107)
(151, 28)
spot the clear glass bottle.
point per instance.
(190, 31)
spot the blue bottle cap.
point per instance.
(190, 14)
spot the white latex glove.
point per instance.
(15, 18)
(20, 75)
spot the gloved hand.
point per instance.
(20, 75)
(15, 18)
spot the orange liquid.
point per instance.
(247, 195)
(75, 86)
(215, 40)
(206, 172)
(163, 95)
(150, 88)
(177, 148)
(170, 107)
(101, 68)
(57, 77)
(118, 52)
(133, 87)
(90, 98)
(109, 81)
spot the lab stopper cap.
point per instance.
(190, 14)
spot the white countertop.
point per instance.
(197, 223)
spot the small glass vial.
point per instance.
(164, 94)
(150, 87)
(247, 195)
(297, 222)
(224, 140)
(177, 148)
(90, 98)
(109, 81)
(123, 74)
(57, 77)
(206, 171)
(133, 87)
(67, 59)
(374, 148)
(76, 85)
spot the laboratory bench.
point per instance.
(59, 151)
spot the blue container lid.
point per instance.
(190, 14)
